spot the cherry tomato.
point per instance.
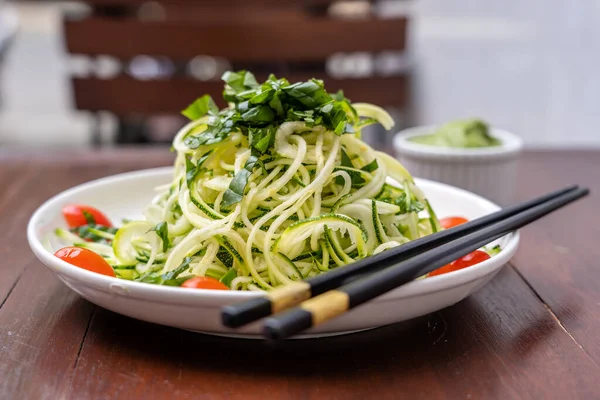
(78, 215)
(466, 261)
(86, 259)
(204, 282)
(451, 222)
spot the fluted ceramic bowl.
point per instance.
(488, 171)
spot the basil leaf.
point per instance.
(192, 171)
(84, 232)
(343, 127)
(346, 161)
(89, 218)
(250, 80)
(327, 108)
(174, 274)
(355, 176)
(276, 105)
(370, 167)
(204, 157)
(162, 230)
(335, 118)
(234, 80)
(407, 204)
(311, 94)
(228, 277)
(235, 191)
(262, 97)
(259, 114)
(309, 117)
(175, 282)
(243, 107)
(205, 138)
(261, 138)
(200, 107)
(339, 96)
(240, 81)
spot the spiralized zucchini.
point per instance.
(272, 201)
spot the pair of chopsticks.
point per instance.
(329, 295)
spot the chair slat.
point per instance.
(300, 3)
(313, 39)
(126, 96)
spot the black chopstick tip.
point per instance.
(236, 315)
(287, 324)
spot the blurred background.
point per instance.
(117, 72)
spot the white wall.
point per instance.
(530, 66)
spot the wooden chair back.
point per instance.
(290, 38)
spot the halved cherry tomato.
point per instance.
(204, 282)
(466, 261)
(451, 222)
(78, 215)
(86, 259)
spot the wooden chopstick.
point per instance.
(336, 302)
(288, 296)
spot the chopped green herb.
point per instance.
(200, 107)
(94, 233)
(259, 108)
(370, 167)
(174, 274)
(191, 170)
(235, 192)
(89, 218)
(228, 277)
(162, 230)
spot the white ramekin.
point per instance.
(488, 171)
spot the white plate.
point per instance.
(126, 195)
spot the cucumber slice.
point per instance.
(201, 204)
(336, 247)
(331, 252)
(302, 230)
(129, 274)
(296, 274)
(228, 247)
(395, 170)
(123, 247)
(358, 176)
(372, 111)
(69, 237)
(379, 231)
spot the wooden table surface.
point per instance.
(532, 333)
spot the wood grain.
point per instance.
(16, 205)
(124, 95)
(501, 343)
(513, 339)
(42, 323)
(312, 39)
(41, 328)
(559, 254)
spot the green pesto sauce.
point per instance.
(462, 133)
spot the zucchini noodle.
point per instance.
(256, 215)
